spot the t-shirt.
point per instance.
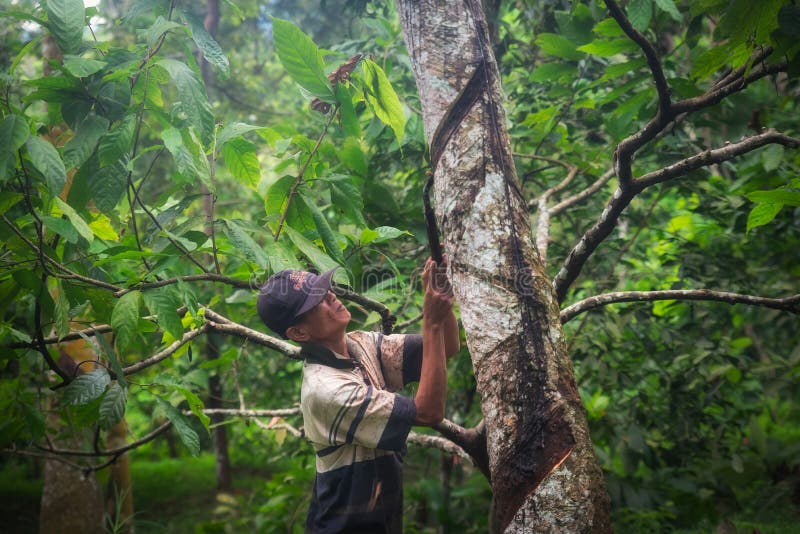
(358, 426)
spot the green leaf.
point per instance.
(325, 231)
(346, 197)
(776, 196)
(241, 159)
(640, 13)
(76, 220)
(153, 33)
(275, 200)
(772, 157)
(668, 6)
(193, 101)
(552, 72)
(380, 234)
(65, 20)
(195, 404)
(245, 244)
(347, 112)
(321, 261)
(80, 147)
(86, 387)
(81, 67)
(8, 200)
(107, 185)
(62, 227)
(209, 47)
(112, 407)
(608, 48)
(762, 214)
(188, 155)
(609, 28)
(234, 129)
(301, 58)
(717, 58)
(61, 311)
(182, 426)
(164, 302)
(114, 98)
(46, 160)
(125, 318)
(118, 142)
(556, 45)
(13, 134)
(382, 99)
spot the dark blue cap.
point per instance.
(289, 294)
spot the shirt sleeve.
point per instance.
(346, 411)
(400, 356)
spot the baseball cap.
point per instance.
(289, 294)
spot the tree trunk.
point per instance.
(544, 475)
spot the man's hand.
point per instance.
(438, 304)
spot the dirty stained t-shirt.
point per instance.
(358, 426)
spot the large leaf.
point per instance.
(209, 47)
(195, 404)
(81, 67)
(762, 214)
(61, 310)
(125, 319)
(112, 407)
(321, 261)
(382, 99)
(76, 220)
(669, 7)
(245, 244)
(556, 45)
(234, 129)
(193, 101)
(182, 426)
(118, 142)
(46, 160)
(86, 387)
(65, 20)
(608, 47)
(347, 112)
(80, 147)
(164, 302)
(108, 184)
(640, 12)
(301, 58)
(13, 134)
(241, 159)
(325, 231)
(346, 197)
(789, 197)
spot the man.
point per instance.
(356, 422)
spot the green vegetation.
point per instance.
(150, 150)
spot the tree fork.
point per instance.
(543, 471)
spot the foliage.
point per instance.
(112, 151)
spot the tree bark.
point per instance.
(544, 475)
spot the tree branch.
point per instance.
(206, 277)
(623, 196)
(110, 452)
(790, 304)
(387, 317)
(166, 353)
(717, 155)
(582, 195)
(226, 326)
(437, 442)
(650, 54)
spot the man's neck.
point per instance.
(336, 344)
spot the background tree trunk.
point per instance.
(533, 413)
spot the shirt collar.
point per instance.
(314, 353)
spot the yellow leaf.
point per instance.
(102, 228)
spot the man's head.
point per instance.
(299, 305)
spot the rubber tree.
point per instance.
(543, 471)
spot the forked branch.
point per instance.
(790, 304)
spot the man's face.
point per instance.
(326, 319)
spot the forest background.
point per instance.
(142, 141)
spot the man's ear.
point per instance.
(297, 333)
